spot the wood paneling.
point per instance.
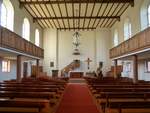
(137, 43)
(10, 40)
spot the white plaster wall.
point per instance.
(66, 48)
(133, 13)
(8, 75)
(19, 15)
(142, 74)
(103, 44)
(50, 49)
(135, 16)
(59, 48)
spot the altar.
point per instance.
(76, 74)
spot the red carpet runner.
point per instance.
(77, 99)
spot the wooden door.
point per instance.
(25, 69)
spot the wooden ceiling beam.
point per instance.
(77, 17)
(76, 28)
(76, 1)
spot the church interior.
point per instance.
(74, 56)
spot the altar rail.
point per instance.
(139, 42)
(12, 41)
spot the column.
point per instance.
(18, 68)
(115, 68)
(37, 67)
(135, 68)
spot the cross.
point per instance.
(88, 62)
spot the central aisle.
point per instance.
(77, 99)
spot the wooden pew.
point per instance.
(40, 95)
(38, 104)
(119, 106)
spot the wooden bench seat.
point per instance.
(128, 105)
(28, 89)
(97, 91)
(11, 95)
(22, 103)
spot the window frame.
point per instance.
(116, 36)
(9, 14)
(147, 68)
(37, 37)
(25, 29)
(6, 66)
(127, 28)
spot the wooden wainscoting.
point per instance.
(137, 43)
(12, 41)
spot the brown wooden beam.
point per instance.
(87, 28)
(135, 68)
(77, 1)
(115, 68)
(37, 68)
(77, 17)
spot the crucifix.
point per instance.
(88, 62)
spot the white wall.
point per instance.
(19, 15)
(142, 74)
(8, 75)
(50, 49)
(139, 21)
(59, 48)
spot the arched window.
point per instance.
(127, 29)
(149, 15)
(26, 29)
(3, 15)
(116, 37)
(37, 37)
(7, 15)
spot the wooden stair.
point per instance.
(72, 66)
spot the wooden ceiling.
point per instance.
(76, 14)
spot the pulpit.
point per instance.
(76, 74)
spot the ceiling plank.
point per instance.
(97, 13)
(50, 15)
(85, 13)
(108, 25)
(77, 1)
(39, 14)
(42, 26)
(67, 13)
(79, 14)
(102, 14)
(120, 15)
(73, 14)
(61, 14)
(55, 14)
(111, 15)
(77, 17)
(91, 13)
(107, 14)
(45, 15)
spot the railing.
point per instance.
(139, 42)
(12, 41)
